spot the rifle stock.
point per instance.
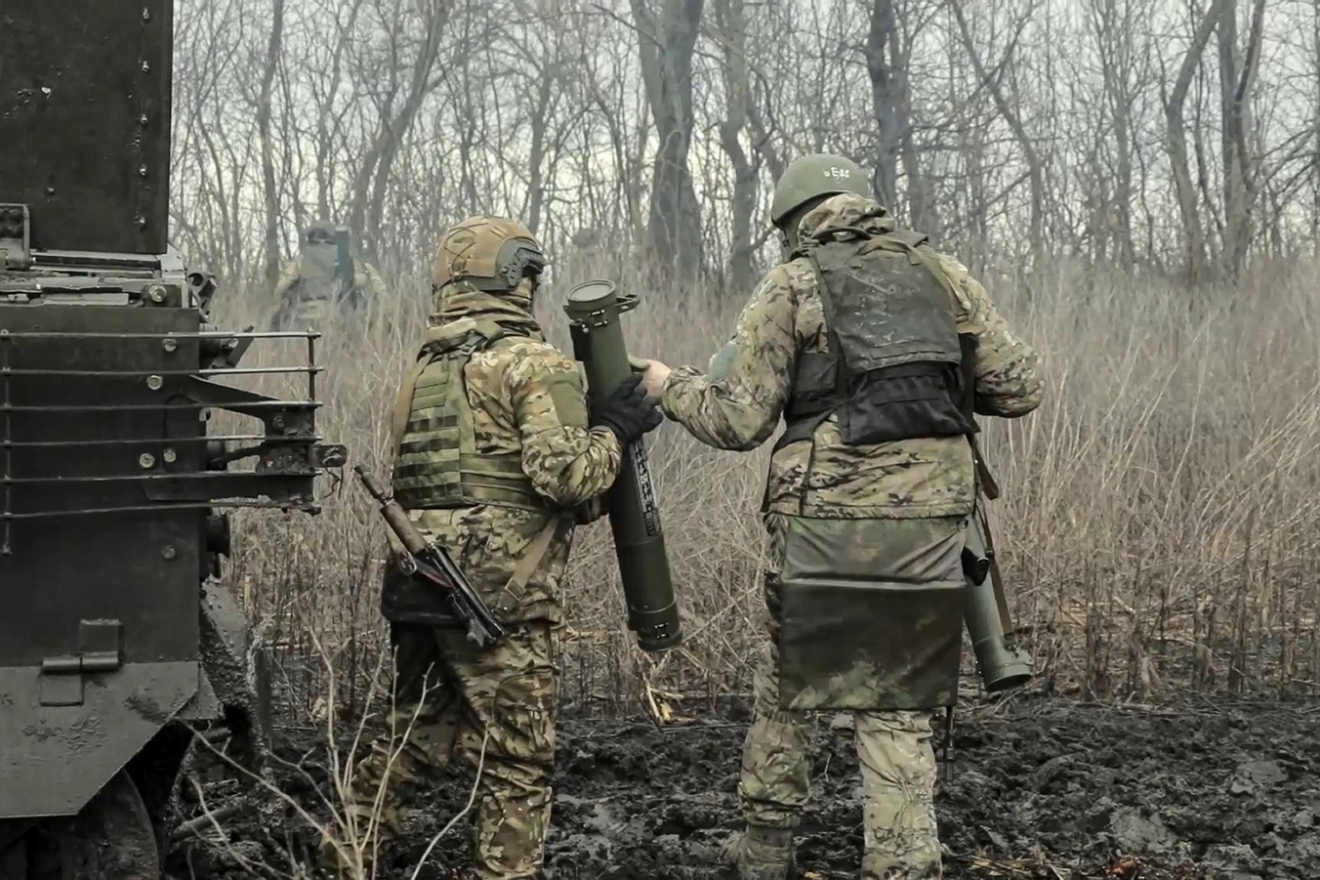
(433, 563)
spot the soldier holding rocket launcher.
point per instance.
(877, 352)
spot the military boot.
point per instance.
(760, 853)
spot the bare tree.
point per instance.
(731, 29)
(1236, 72)
(889, 62)
(1010, 127)
(992, 82)
(269, 185)
(1174, 103)
(397, 103)
(667, 39)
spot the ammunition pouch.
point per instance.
(871, 614)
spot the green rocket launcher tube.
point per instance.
(593, 310)
(343, 261)
(1001, 663)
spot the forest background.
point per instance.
(1137, 183)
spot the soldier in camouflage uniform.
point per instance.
(498, 457)
(325, 279)
(870, 344)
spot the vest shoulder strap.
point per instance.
(906, 237)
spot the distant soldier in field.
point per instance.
(877, 351)
(324, 280)
(498, 456)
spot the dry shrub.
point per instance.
(1157, 525)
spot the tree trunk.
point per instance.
(1194, 248)
(271, 251)
(1235, 96)
(884, 97)
(1005, 107)
(667, 43)
(372, 177)
(732, 25)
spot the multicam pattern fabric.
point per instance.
(496, 710)
(894, 748)
(897, 759)
(870, 612)
(741, 408)
(494, 706)
(738, 407)
(516, 390)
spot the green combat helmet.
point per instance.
(809, 177)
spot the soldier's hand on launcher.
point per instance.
(627, 411)
(654, 374)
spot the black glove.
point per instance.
(588, 512)
(626, 411)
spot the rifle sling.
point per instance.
(529, 562)
(983, 475)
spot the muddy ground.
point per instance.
(1039, 788)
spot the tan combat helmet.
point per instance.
(489, 253)
(812, 176)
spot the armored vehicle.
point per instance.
(119, 646)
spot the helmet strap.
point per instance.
(789, 238)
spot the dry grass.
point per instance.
(1158, 524)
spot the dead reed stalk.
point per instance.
(1158, 526)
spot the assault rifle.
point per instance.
(433, 563)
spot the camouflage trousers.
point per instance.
(497, 708)
(897, 758)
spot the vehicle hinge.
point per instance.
(100, 649)
(15, 237)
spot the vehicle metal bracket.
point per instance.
(15, 237)
(100, 649)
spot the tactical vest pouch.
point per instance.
(900, 403)
(438, 465)
(881, 309)
(892, 370)
(871, 614)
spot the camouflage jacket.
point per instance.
(739, 405)
(514, 410)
